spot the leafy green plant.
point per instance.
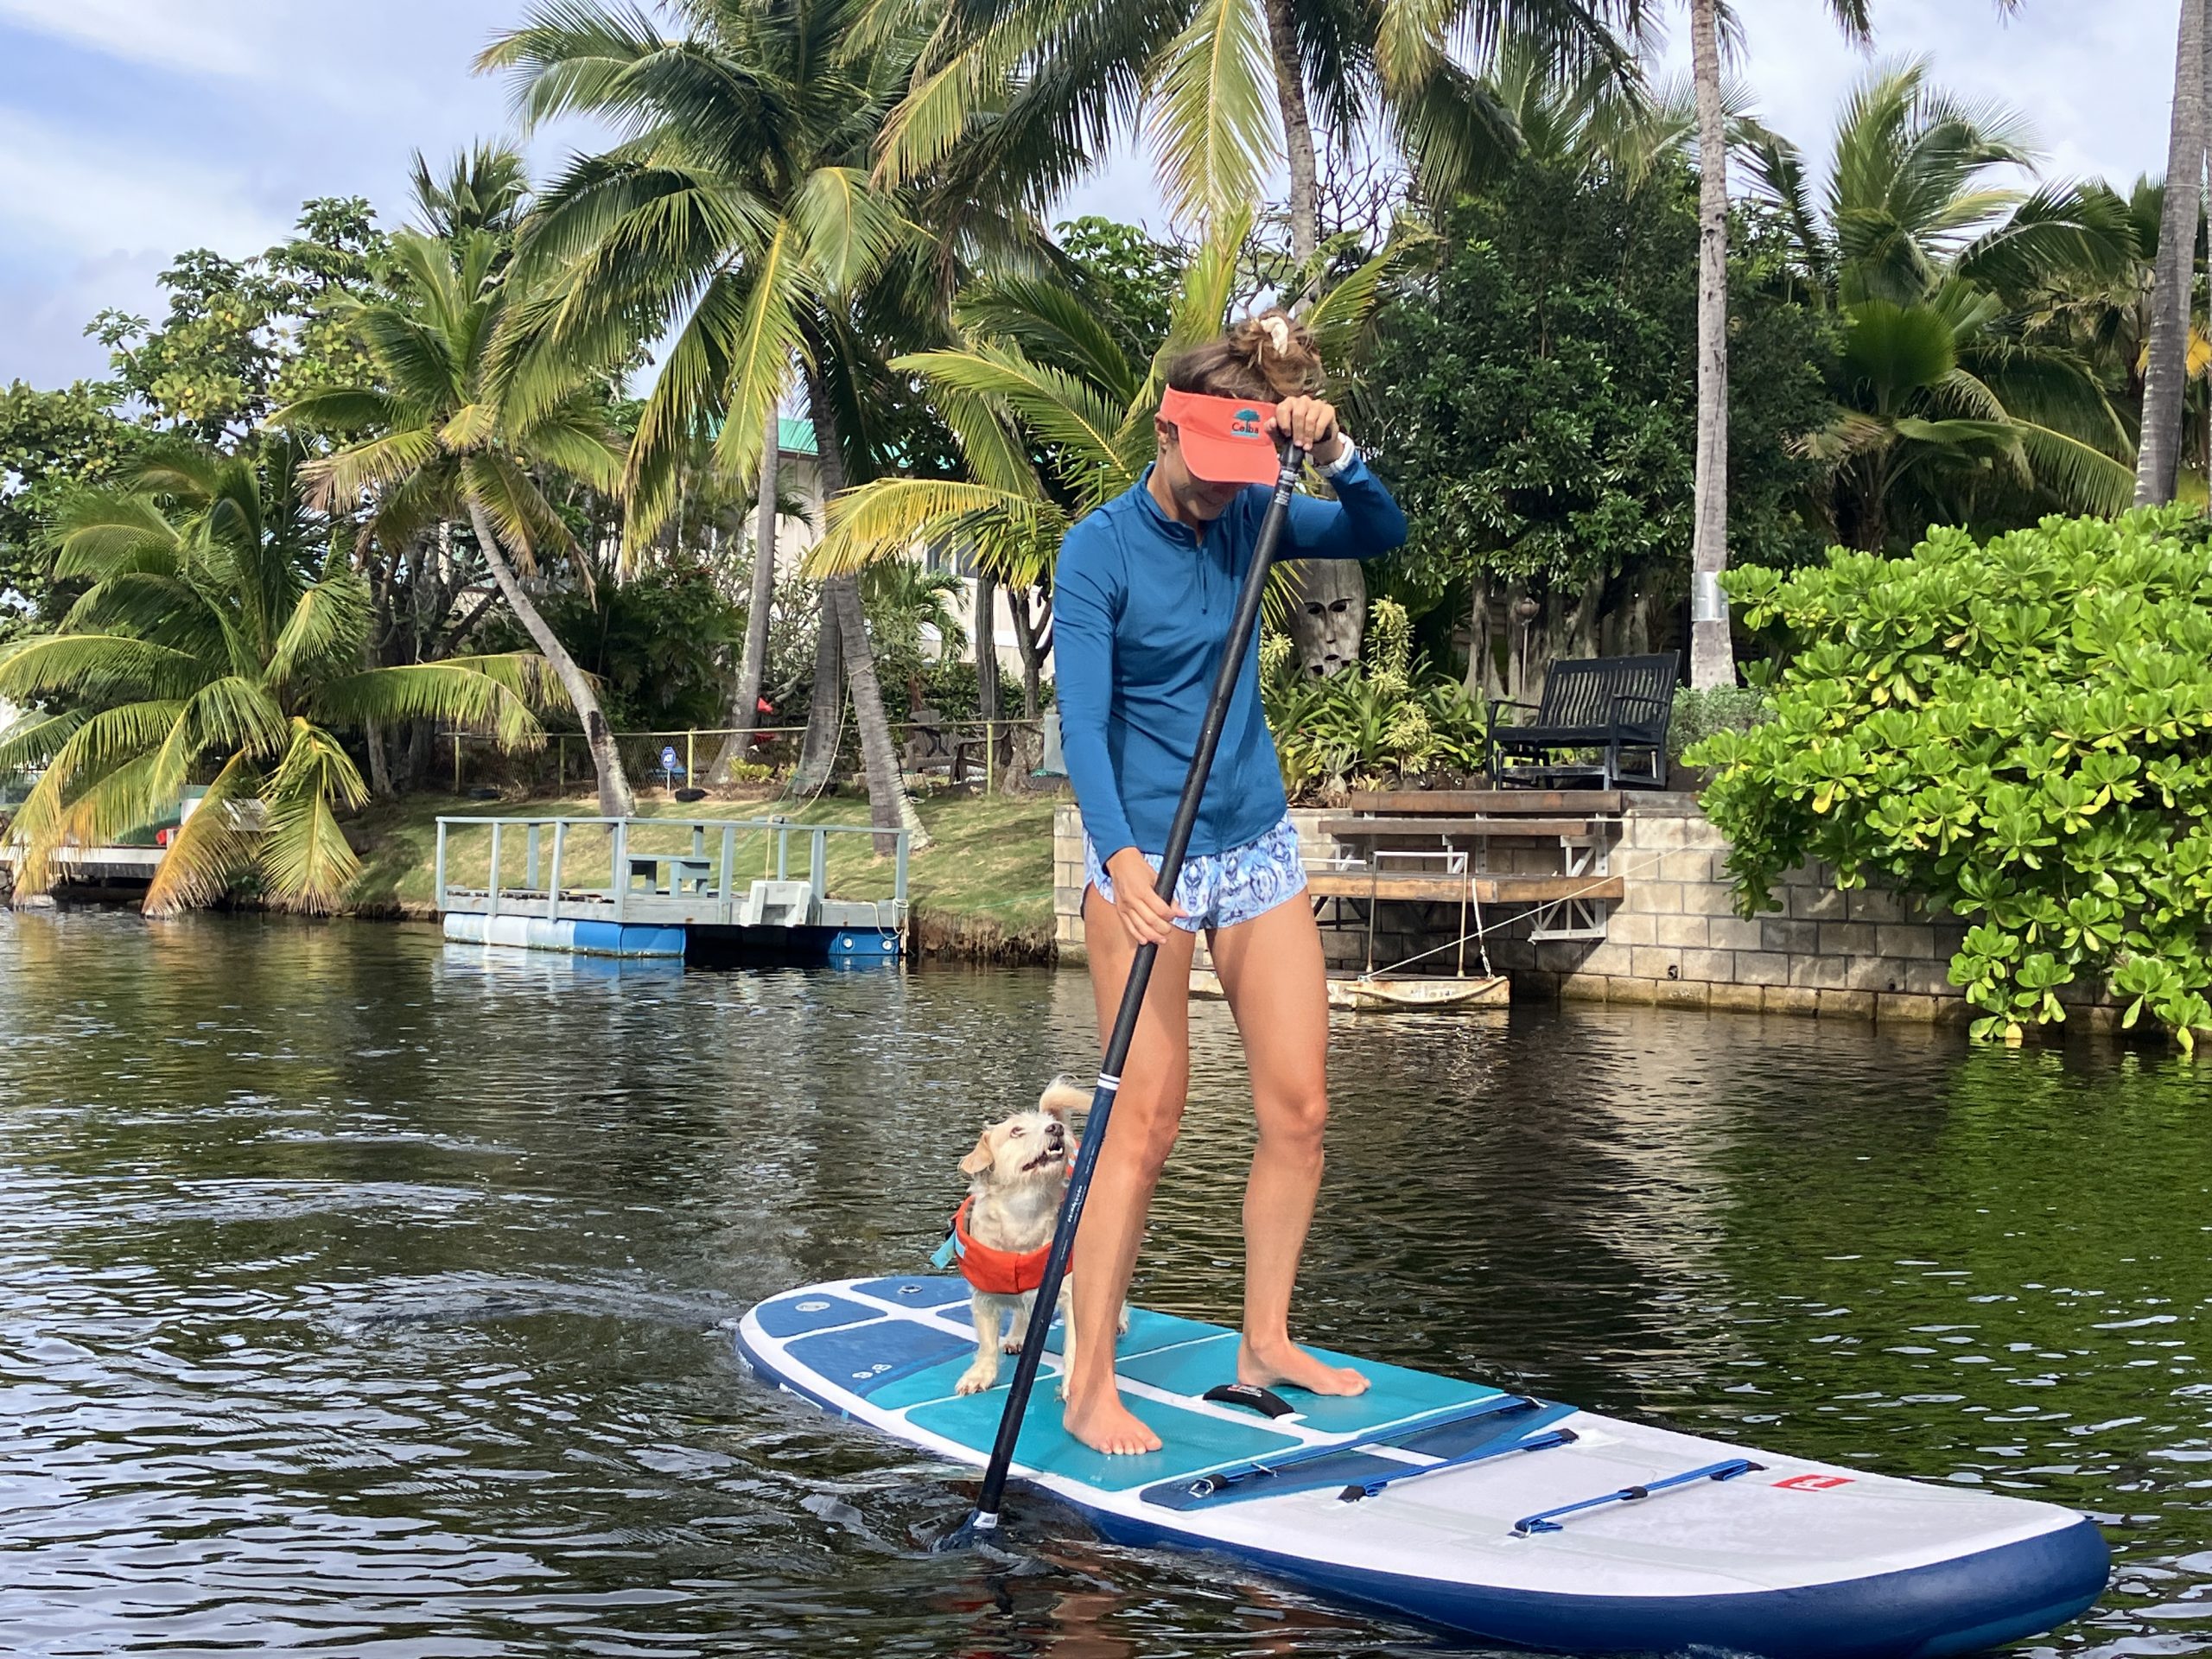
(1379, 724)
(1699, 714)
(2021, 728)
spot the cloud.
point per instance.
(72, 195)
(209, 37)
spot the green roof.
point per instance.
(797, 437)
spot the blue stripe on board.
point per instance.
(1192, 1440)
(864, 1357)
(787, 1316)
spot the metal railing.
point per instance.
(713, 870)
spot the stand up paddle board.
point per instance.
(1508, 1517)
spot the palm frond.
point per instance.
(459, 692)
(211, 850)
(328, 624)
(305, 861)
(1213, 120)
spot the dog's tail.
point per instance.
(1064, 1097)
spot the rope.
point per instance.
(1481, 930)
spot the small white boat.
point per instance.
(1403, 992)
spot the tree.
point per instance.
(51, 444)
(2158, 454)
(1531, 400)
(1947, 403)
(209, 645)
(1053, 416)
(738, 221)
(1712, 654)
(1234, 88)
(446, 441)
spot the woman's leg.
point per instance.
(1147, 1114)
(1272, 973)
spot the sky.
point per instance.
(132, 130)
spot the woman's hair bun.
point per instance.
(1268, 357)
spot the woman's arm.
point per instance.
(1084, 602)
(1364, 522)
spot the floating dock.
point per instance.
(734, 890)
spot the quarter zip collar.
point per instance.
(1175, 527)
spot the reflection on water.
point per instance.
(365, 1294)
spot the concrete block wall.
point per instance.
(1674, 938)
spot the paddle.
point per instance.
(1242, 621)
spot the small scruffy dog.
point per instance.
(1016, 1177)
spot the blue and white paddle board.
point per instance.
(1510, 1518)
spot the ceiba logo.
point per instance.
(1245, 424)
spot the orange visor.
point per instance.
(1224, 440)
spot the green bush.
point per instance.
(1375, 725)
(2017, 728)
(1699, 714)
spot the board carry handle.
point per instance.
(1547, 1521)
(1251, 1396)
(1243, 622)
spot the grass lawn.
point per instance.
(991, 862)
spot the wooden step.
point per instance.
(1369, 828)
(1485, 803)
(1449, 889)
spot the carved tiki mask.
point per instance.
(1330, 615)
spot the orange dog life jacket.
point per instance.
(1001, 1273)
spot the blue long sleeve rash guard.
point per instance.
(1141, 610)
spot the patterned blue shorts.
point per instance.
(1222, 889)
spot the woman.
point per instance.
(1141, 601)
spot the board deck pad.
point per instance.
(1411, 1495)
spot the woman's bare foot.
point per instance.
(1288, 1365)
(1102, 1422)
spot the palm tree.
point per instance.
(737, 220)
(1232, 88)
(2165, 376)
(1051, 415)
(446, 442)
(208, 646)
(1941, 383)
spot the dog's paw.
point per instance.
(1121, 1325)
(1011, 1346)
(975, 1380)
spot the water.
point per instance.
(363, 1295)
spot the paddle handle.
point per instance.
(1241, 622)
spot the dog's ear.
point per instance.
(1063, 1100)
(980, 1159)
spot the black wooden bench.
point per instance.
(1617, 708)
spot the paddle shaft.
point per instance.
(1241, 621)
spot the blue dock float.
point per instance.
(685, 889)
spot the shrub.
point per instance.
(1699, 714)
(2018, 729)
(1376, 724)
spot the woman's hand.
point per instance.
(1145, 917)
(1311, 424)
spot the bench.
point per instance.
(1618, 707)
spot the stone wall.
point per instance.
(1674, 938)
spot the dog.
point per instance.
(1016, 1177)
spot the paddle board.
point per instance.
(1512, 1518)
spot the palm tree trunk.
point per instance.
(1713, 658)
(1298, 144)
(745, 702)
(615, 800)
(889, 805)
(825, 711)
(986, 647)
(2157, 456)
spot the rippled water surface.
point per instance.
(365, 1295)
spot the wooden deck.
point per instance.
(1481, 887)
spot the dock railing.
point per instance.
(696, 871)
